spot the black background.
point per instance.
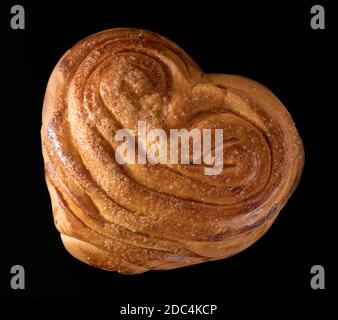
(271, 43)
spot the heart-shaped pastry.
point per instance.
(136, 217)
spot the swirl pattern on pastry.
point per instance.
(137, 217)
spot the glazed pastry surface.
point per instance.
(137, 217)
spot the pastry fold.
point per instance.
(133, 218)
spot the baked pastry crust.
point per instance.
(134, 218)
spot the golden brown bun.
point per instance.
(135, 218)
